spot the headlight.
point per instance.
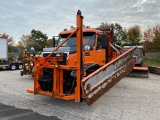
(58, 54)
(56, 65)
(87, 47)
(26, 64)
(31, 63)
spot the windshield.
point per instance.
(136, 53)
(88, 39)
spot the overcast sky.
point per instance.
(18, 17)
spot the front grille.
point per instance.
(64, 57)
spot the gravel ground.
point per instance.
(130, 99)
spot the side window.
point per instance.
(99, 42)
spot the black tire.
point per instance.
(13, 67)
(141, 65)
(20, 66)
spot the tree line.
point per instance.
(36, 39)
(150, 38)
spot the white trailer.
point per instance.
(3, 49)
(5, 63)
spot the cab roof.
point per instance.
(84, 30)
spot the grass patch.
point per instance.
(152, 59)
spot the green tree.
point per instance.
(49, 43)
(25, 42)
(134, 35)
(148, 39)
(39, 39)
(120, 34)
(19, 46)
(103, 24)
(10, 44)
(156, 38)
(152, 38)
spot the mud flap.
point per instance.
(103, 79)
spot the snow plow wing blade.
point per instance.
(139, 72)
(103, 79)
(154, 69)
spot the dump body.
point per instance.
(82, 61)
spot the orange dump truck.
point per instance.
(81, 66)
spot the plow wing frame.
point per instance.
(103, 79)
(140, 72)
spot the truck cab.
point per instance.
(95, 46)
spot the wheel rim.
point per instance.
(13, 67)
(20, 66)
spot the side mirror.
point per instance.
(143, 53)
(53, 41)
(104, 39)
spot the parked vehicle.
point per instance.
(6, 62)
(28, 62)
(138, 55)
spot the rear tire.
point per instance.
(13, 67)
(20, 67)
(141, 65)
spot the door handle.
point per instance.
(87, 54)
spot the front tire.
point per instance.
(141, 65)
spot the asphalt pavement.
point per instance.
(130, 99)
(11, 113)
